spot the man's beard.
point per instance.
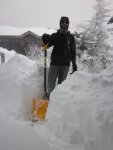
(63, 30)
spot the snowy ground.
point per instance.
(80, 113)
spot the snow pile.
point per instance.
(20, 81)
(80, 113)
(8, 54)
(16, 135)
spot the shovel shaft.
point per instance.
(45, 71)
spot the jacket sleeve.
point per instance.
(48, 39)
(73, 49)
(52, 40)
(73, 53)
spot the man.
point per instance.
(64, 52)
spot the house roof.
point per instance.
(14, 31)
(31, 33)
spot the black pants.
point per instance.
(55, 72)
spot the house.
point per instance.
(20, 43)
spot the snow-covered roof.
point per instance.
(6, 30)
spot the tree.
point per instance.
(34, 52)
(95, 35)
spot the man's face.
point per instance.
(64, 24)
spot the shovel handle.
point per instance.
(45, 69)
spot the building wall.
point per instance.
(18, 43)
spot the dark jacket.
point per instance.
(64, 48)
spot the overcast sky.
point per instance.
(44, 13)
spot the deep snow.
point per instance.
(80, 113)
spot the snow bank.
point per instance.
(20, 81)
(8, 54)
(80, 114)
(18, 135)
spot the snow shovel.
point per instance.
(39, 106)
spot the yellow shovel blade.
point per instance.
(39, 109)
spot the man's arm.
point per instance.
(48, 39)
(73, 54)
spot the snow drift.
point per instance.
(80, 113)
(20, 81)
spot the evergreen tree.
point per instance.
(96, 35)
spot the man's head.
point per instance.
(64, 23)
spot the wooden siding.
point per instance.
(19, 43)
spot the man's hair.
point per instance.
(64, 18)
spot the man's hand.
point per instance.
(74, 66)
(45, 38)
